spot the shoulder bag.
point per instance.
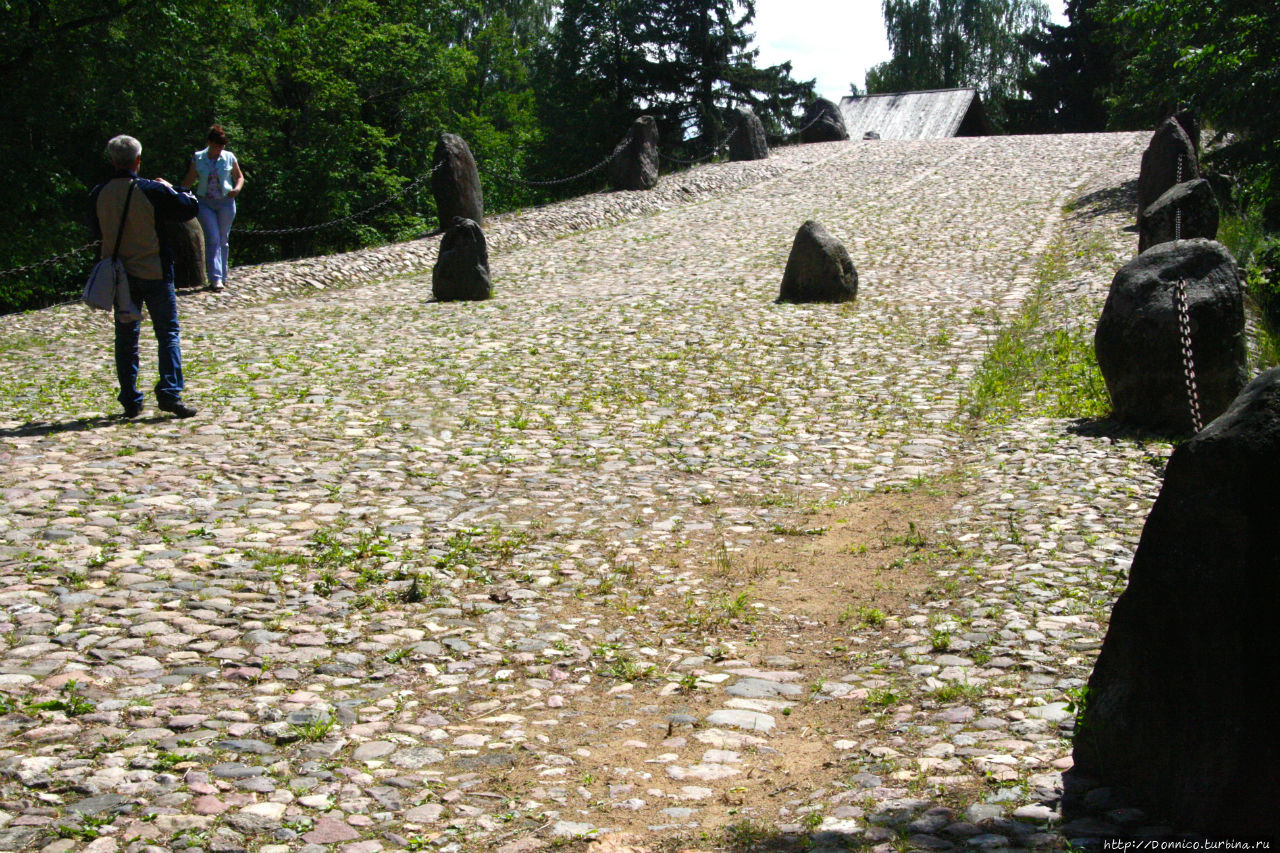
(108, 284)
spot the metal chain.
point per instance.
(53, 260)
(704, 157)
(815, 120)
(1184, 325)
(301, 229)
(1188, 361)
(514, 180)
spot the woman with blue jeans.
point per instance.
(215, 174)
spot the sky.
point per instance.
(835, 41)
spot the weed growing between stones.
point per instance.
(1031, 370)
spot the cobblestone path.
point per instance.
(498, 576)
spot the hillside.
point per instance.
(628, 547)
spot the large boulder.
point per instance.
(634, 165)
(461, 272)
(1138, 342)
(1190, 124)
(1198, 206)
(186, 243)
(455, 183)
(1179, 708)
(1169, 146)
(818, 269)
(823, 123)
(748, 141)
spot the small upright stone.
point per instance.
(1169, 146)
(1199, 208)
(819, 268)
(1190, 124)
(186, 242)
(461, 272)
(822, 122)
(634, 165)
(455, 183)
(1138, 339)
(748, 142)
(1179, 709)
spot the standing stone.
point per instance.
(818, 269)
(461, 272)
(1138, 344)
(456, 182)
(1180, 707)
(822, 122)
(1190, 124)
(186, 242)
(1169, 146)
(748, 142)
(1199, 208)
(635, 159)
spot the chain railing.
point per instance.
(1184, 324)
(48, 261)
(817, 118)
(304, 229)
(696, 160)
(350, 217)
(549, 183)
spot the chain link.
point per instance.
(528, 183)
(1184, 325)
(815, 120)
(1188, 361)
(704, 157)
(53, 260)
(303, 229)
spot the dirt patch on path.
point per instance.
(807, 612)
(860, 562)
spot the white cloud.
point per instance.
(834, 41)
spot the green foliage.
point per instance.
(1069, 87)
(1215, 57)
(945, 44)
(334, 107)
(1030, 369)
(685, 61)
(71, 702)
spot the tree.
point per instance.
(1068, 92)
(683, 61)
(1216, 57)
(945, 44)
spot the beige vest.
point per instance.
(139, 245)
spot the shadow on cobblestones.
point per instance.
(35, 428)
(1115, 431)
(1106, 202)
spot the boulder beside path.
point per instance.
(818, 269)
(1194, 201)
(455, 183)
(1138, 338)
(634, 165)
(748, 141)
(461, 272)
(823, 122)
(1169, 149)
(1179, 710)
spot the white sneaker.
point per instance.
(217, 286)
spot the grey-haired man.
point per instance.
(149, 263)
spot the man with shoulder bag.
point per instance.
(125, 213)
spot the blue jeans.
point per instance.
(216, 216)
(157, 298)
